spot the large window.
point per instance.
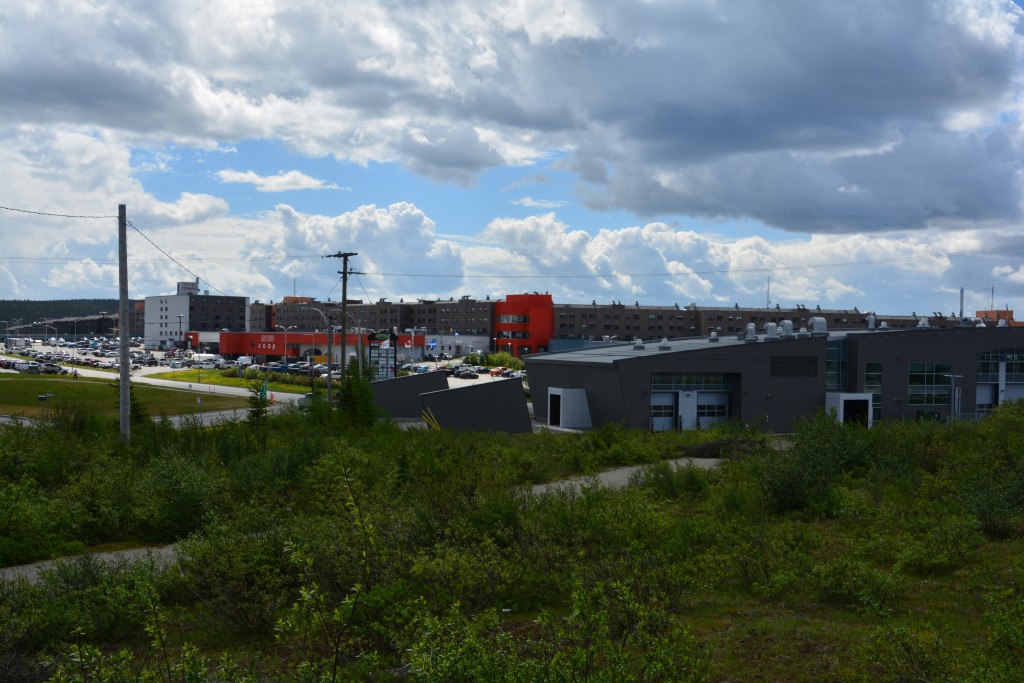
(873, 386)
(988, 366)
(508, 319)
(929, 384)
(835, 364)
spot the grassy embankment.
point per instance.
(319, 551)
(20, 395)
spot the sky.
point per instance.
(832, 154)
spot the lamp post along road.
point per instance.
(330, 335)
(282, 327)
(53, 339)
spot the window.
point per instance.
(662, 411)
(873, 386)
(712, 410)
(928, 384)
(691, 381)
(988, 365)
(835, 364)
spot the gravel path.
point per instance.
(164, 555)
(617, 478)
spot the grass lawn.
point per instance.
(217, 377)
(19, 395)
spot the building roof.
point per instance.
(600, 352)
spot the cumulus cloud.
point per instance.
(742, 109)
(282, 182)
(878, 132)
(530, 202)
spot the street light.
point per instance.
(282, 327)
(954, 396)
(53, 344)
(330, 355)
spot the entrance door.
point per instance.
(554, 409)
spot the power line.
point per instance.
(253, 259)
(54, 215)
(171, 258)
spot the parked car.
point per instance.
(53, 369)
(466, 374)
(207, 365)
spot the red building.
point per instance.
(523, 323)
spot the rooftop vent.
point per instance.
(883, 325)
(871, 322)
(819, 327)
(664, 345)
(771, 332)
(751, 336)
(638, 344)
(713, 338)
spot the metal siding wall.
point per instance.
(400, 397)
(498, 406)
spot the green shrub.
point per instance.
(689, 481)
(238, 570)
(853, 583)
(947, 545)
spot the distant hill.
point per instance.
(32, 311)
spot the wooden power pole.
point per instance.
(344, 272)
(122, 321)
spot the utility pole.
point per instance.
(344, 272)
(122, 324)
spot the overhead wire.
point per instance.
(172, 259)
(471, 276)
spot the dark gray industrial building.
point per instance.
(779, 376)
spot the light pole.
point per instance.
(53, 344)
(180, 340)
(954, 396)
(330, 357)
(282, 327)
